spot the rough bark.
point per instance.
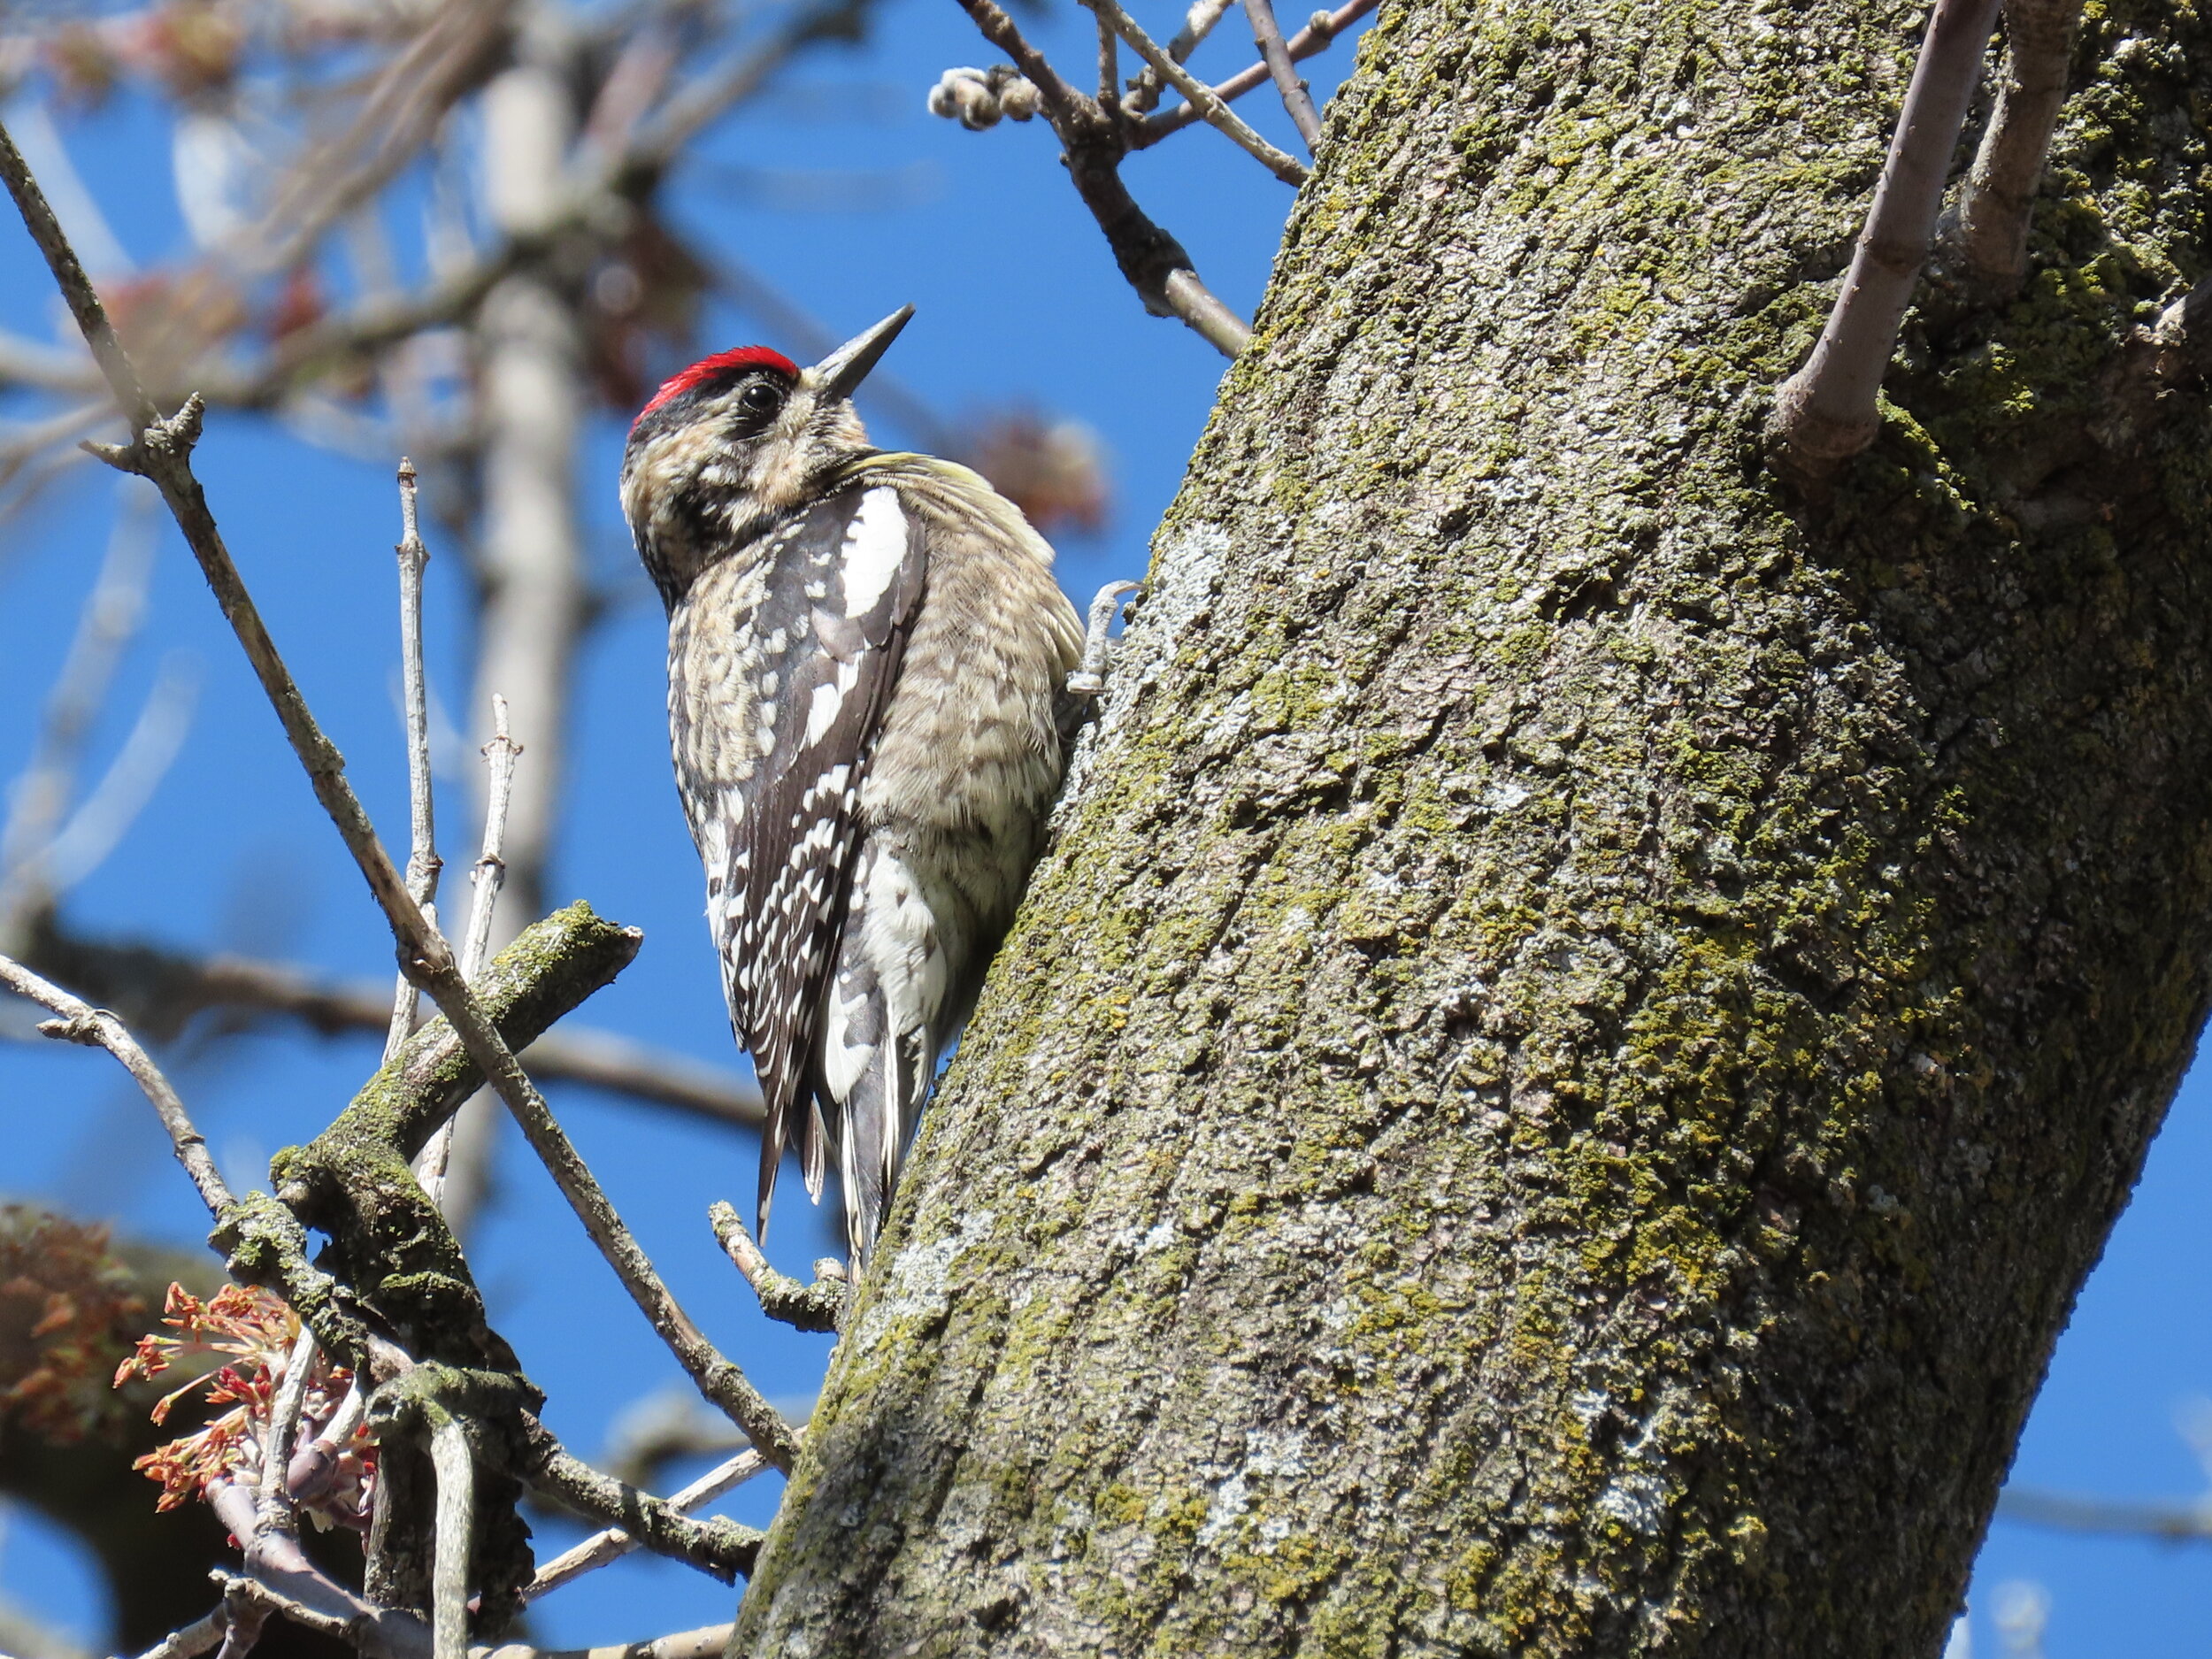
(1588, 1015)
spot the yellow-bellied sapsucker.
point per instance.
(867, 668)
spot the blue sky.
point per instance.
(1017, 300)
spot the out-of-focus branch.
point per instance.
(2177, 1522)
(80, 1022)
(1267, 34)
(533, 601)
(1316, 37)
(160, 991)
(1991, 236)
(39, 800)
(459, 46)
(1826, 413)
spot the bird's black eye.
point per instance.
(760, 397)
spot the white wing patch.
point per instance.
(821, 710)
(875, 546)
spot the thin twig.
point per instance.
(1109, 67)
(2177, 1522)
(1826, 413)
(816, 1306)
(705, 1643)
(456, 1522)
(715, 1545)
(1205, 311)
(1154, 263)
(113, 804)
(613, 1543)
(279, 1573)
(275, 1492)
(1198, 22)
(1316, 38)
(94, 1028)
(1267, 34)
(422, 858)
(162, 452)
(1210, 108)
(193, 1639)
(158, 992)
(313, 1466)
(1994, 208)
(490, 871)
(244, 1615)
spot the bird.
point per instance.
(868, 666)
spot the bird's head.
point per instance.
(736, 444)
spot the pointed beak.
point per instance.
(836, 375)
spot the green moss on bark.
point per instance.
(1588, 1015)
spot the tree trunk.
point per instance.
(1588, 1014)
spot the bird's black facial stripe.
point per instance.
(755, 396)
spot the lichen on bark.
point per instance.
(1588, 1015)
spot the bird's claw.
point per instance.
(1089, 680)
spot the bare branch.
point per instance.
(490, 871)
(1198, 305)
(1062, 103)
(199, 1637)
(244, 1615)
(613, 1543)
(1267, 34)
(491, 868)
(278, 1572)
(1316, 37)
(1991, 236)
(159, 991)
(315, 1464)
(1198, 22)
(1108, 68)
(81, 1022)
(162, 452)
(705, 1643)
(1210, 108)
(1826, 412)
(715, 1545)
(422, 858)
(456, 1469)
(275, 1493)
(1153, 262)
(460, 45)
(816, 1306)
(113, 804)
